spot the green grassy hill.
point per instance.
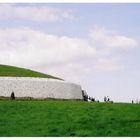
(68, 118)
(12, 71)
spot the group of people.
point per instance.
(86, 98)
(137, 101)
(93, 99)
(106, 99)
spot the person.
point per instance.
(85, 95)
(12, 96)
(108, 99)
(93, 99)
(89, 98)
(105, 99)
(132, 101)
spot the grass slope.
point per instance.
(68, 118)
(12, 71)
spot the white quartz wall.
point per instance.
(39, 88)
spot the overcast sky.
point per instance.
(94, 45)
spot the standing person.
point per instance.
(12, 96)
(105, 99)
(89, 98)
(108, 99)
(132, 101)
(93, 99)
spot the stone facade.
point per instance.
(39, 88)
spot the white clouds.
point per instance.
(28, 47)
(109, 38)
(34, 13)
(72, 71)
(68, 57)
(59, 55)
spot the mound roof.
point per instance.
(12, 71)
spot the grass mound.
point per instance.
(68, 118)
(12, 71)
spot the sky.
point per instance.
(94, 45)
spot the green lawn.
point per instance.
(68, 118)
(12, 71)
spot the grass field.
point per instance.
(68, 118)
(12, 71)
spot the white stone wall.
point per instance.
(39, 88)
